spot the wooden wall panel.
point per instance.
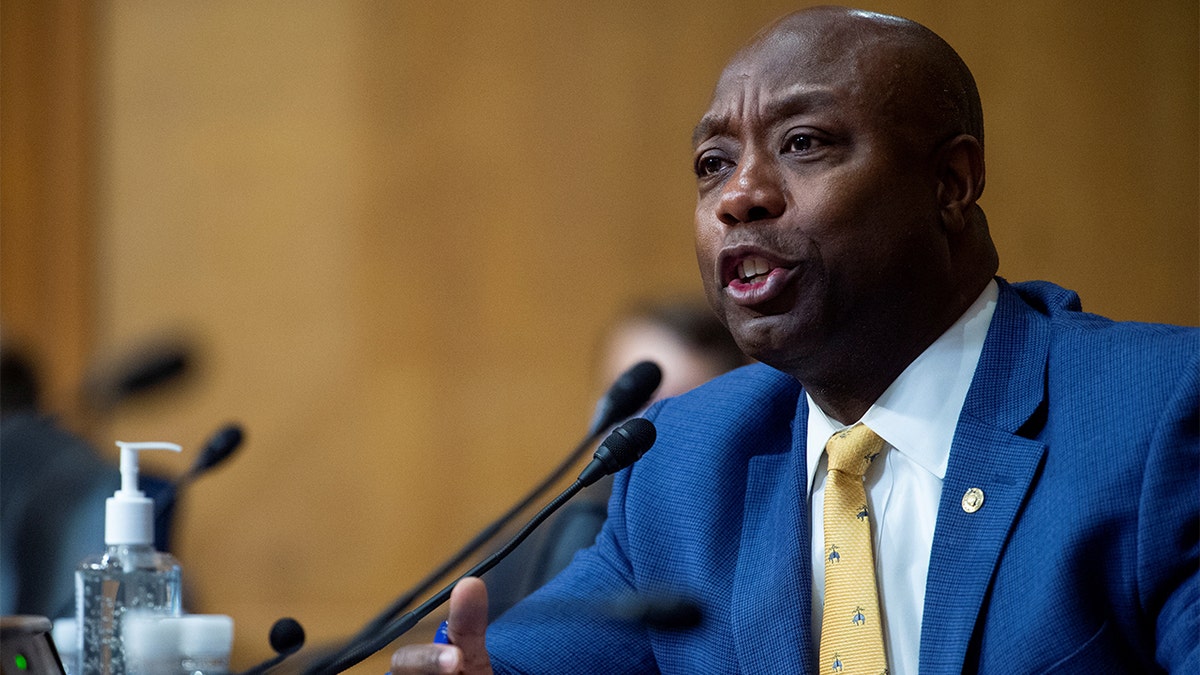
(46, 290)
(396, 229)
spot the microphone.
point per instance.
(623, 447)
(286, 638)
(660, 612)
(148, 368)
(152, 369)
(220, 447)
(628, 394)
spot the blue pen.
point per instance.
(442, 636)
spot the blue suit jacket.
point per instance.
(1081, 432)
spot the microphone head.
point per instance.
(152, 369)
(628, 442)
(628, 394)
(660, 612)
(219, 448)
(635, 386)
(624, 446)
(145, 370)
(287, 636)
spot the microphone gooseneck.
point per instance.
(628, 394)
(623, 447)
(219, 447)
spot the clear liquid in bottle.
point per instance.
(126, 577)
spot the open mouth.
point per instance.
(752, 278)
(752, 269)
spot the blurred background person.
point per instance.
(683, 337)
(54, 483)
(51, 498)
(691, 346)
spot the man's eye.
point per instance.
(799, 143)
(708, 165)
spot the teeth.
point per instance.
(751, 267)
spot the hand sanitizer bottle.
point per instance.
(129, 575)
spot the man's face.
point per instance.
(817, 215)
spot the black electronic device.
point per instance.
(26, 646)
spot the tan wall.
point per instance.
(396, 228)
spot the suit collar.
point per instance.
(1009, 386)
(992, 452)
(917, 414)
(772, 591)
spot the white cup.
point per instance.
(64, 635)
(191, 644)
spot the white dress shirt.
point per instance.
(916, 417)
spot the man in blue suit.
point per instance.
(1036, 506)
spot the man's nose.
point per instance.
(754, 192)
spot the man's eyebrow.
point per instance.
(708, 127)
(792, 103)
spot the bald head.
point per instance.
(915, 78)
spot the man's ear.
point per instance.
(960, 173)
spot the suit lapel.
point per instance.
(772, 588)
(990, 454)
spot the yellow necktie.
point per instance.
(851, 630)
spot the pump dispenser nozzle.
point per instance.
(129, 514)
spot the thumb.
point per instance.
(468, 625)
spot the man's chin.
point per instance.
(767, 337)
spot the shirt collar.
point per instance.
(918, 413)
